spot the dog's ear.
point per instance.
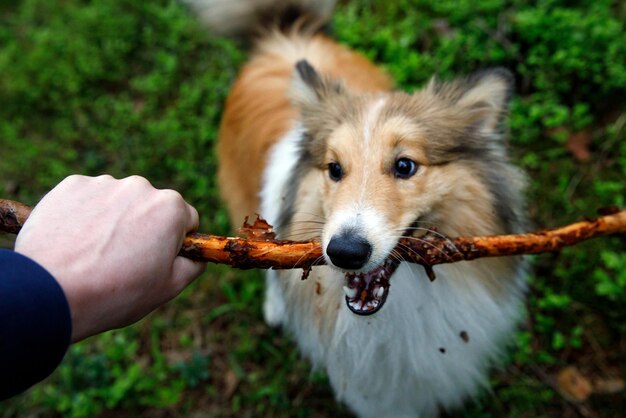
(483, 97)
(309, 89)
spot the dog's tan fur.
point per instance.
(260, 110)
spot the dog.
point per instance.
(315, 139)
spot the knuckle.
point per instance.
(74, 179)
(194, 212)
(104, 177)
(173, 197)
(137, 184)
(137, 180)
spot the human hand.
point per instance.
(112, 245)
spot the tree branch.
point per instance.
(261, 250)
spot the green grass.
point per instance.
(127, 87)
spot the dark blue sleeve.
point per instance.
(35, 323)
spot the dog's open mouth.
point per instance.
(367, 292)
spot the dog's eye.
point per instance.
(335, 172)
(404, 168)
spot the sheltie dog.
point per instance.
(315, 139)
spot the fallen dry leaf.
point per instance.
(578, 144)
(231, 381)
(572, 385)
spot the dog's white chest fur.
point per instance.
(429, 346)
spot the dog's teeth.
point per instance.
(380, 292)
(350, 293)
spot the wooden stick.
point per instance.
(261, 251)
(13, 215)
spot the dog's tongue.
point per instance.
(367, 292)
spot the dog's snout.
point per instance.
(347, 252)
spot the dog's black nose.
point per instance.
(350, 253)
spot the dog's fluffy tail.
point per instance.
(253, 17)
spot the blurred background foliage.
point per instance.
(127, 87)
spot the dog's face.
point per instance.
(396, 164)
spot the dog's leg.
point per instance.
(274, 304)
